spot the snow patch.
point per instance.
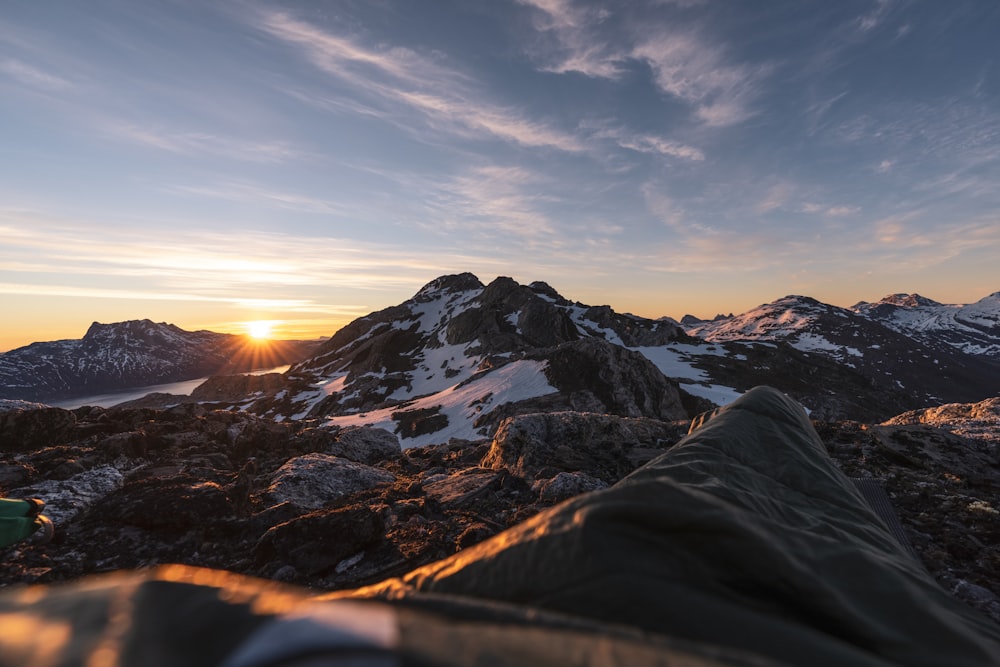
(716, 393)
(810, 342)
(438, 369)
(462, 403)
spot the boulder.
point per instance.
(971, 420)
(602, 377)
(317, 542)
(237, 388)
(462, 487)
(65, 499)
(364, 444)
(605, 446)
(565, 485)
(313, 481)
(14, 474)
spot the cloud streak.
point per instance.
(647, 143)
(32, 76)
(577, 48)
(685, 64)
(496, 202)
(446, 99)
(203, 143)
(688, 67)
(218, 265)
(255, 194)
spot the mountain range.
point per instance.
(459, 356)
(136, 353)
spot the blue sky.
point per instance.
(208, 164)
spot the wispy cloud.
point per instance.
(32, 76)
(576, 46)
(202, 143)
(78, 292)
(445, 98)
(830, 211)
(246, 193)
(916, 241)
(685, 64)
(503, 203)
(689, 67)
(777, 196)
(938, 149)
(645, 143)
(842, 211)
(871, 20)
(210, 265)
(663, 207)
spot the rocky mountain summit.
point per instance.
(136, 353)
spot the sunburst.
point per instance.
(260, 329)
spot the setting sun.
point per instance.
(260, 329)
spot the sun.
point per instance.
(260, 329)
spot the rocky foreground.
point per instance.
(335, 508)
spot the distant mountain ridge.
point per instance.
(904, 340)
(973, 328)
(134, 353)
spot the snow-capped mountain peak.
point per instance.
(787, 317)
(972, 329)
(905, 301)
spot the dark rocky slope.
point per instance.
(329, 508)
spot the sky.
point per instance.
(212, 164)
